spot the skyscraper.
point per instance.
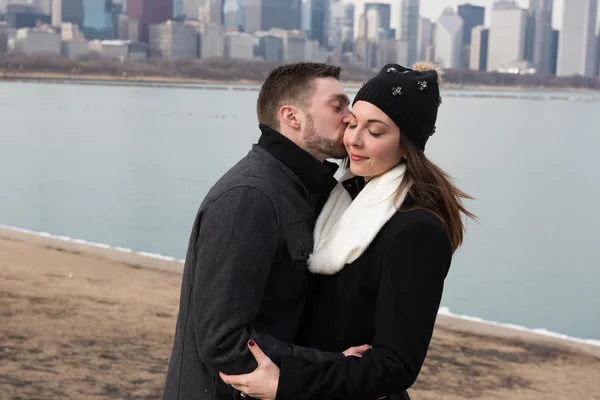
(554, 57)
(538, 42)
(385, 15)
(341, 25)
(448, 39)
(425, 37)
(479, 48)
(472, 16)
(147, 12)
(72, 11)
(233, 14)
(409, 28)
(577, 47)
(319, 20)
(305, 12)
(208, 11)
(177, 8)
(44, 6)
(262, 15)
(191, 8)
(507, 35)
(598, 53)
(98, 19)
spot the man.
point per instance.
(245, 272)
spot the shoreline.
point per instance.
(445, 320)
(194, 83)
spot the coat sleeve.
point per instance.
(408, 300)
(236, 247)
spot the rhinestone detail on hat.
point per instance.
(392, 69)
(397, 91)
(422, 85)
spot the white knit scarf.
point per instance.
(345, 228)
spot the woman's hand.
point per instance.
(357, 351)
(262, 382)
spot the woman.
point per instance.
(383, 256)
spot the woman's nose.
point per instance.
(352, 137)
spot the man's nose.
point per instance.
(346, 118)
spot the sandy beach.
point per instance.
(78, 322)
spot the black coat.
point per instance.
(389, 297)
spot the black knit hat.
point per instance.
(410, 97)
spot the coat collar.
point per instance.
(316, 176)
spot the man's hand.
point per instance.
(357, 351)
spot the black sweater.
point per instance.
(389, 297)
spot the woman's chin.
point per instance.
(356, 170)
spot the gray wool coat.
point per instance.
(245, 276)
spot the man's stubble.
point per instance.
(331, 148)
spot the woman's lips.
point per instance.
(356, 157)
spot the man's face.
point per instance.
(326, 119)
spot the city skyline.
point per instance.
(433, 9)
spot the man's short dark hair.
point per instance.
(290, 84)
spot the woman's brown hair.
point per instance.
(431, 189)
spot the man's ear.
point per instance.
(289, 116)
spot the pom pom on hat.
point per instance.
(424, 66)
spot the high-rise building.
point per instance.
(177, 8)
(148, 12)
(538, 39)
(191, 8)
(213, 41)
(67, 11)
(268, 46)
(375, 31)
(409, 28)
(214, 11)
(262, 15)
(99, 19)
(56, 12)
(479, 48)
(173, 40)
(598, 53)
(448, 39)
(554, 56)
(319, 21)
(385, 15)
(72, 11)
(507, 35)
(305, 11)
(24, 16)
(425, 37)
(472, 16)
(239, 45)
(341, 25)
(44, 6)
(233, 14)
(577, 46)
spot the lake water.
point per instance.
(129, 166)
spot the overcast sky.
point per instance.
(432, 9)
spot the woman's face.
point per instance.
(372, 141)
